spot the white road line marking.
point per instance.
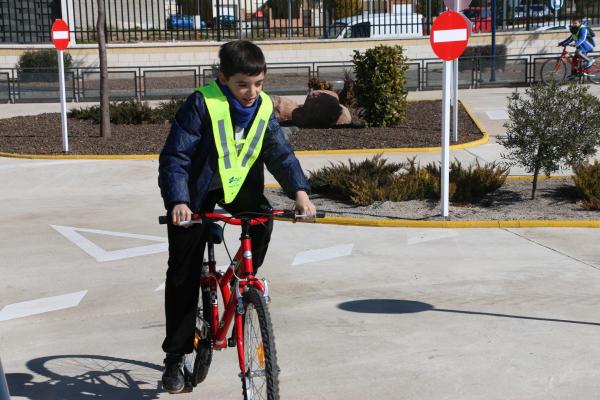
(450, 35)
(40, 306)
(430, 235)
(102, 255)
(497, 114)
(43, 164)
(323, 254)
(161, 287)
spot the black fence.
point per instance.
(166, 82)
(29, 21)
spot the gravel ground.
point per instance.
(556, 199)
(41, 134)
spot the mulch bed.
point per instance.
(41, 134)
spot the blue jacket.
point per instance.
(188, 161)
(582, 43)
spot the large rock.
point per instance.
(321, 109)
(345, 117)
(284, 107)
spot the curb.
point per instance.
(81, 157)
(460, 224)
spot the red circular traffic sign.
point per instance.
(449, 35)
(60, 34)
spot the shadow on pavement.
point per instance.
(76, 377)
(394, 306)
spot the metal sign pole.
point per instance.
(455, 99)
(63, 101)
(445, 173)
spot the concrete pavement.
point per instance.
(395, 313)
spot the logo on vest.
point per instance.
(235, 180)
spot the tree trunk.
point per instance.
(104, 98)
(536, 172)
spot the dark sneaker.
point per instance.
(590, 63)
(172, 379)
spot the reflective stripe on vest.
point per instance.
(234, 166)
(575, 36)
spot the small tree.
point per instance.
(380, 85)
(551, 126)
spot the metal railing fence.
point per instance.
(29, 21)
(166, 82)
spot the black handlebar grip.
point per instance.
(320, 214)
(163, 219)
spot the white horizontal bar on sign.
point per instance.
(450, 35)
(60, 34)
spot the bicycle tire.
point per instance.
(553, 69)
(594, 77)
(197, 363)
(261, 378)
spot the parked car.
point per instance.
(481, 18)
(379, 25)
(182, 21)
(224, 21)
(536, 10)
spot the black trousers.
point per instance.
(186, 250)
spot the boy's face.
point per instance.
(245, 88)
(576, 23)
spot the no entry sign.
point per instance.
(60, 34)
(449, 35)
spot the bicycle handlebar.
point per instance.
(239, 219)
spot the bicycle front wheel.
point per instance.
(261, 378)
(554, 70)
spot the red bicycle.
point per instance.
(556, 69)
(245, 299)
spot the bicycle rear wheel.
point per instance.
(594, 73)
(554, 69)
(197, 363)
(261, 380)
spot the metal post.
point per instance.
(445, 173)
(504, 11)
(63, 101)
(493, 66)
(429, 17)
(454, 125)
(290, 19)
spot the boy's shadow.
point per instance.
(76, 377)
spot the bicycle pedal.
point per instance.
(231, 342)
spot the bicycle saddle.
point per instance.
(214, 233)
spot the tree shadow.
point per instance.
(77, 377)
(395, 306)
(562, 194)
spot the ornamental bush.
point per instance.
(132, 111)
(380, 85)
(587, 180)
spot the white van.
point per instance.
(376, 26)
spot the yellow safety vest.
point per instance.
(234, 167)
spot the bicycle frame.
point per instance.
(241, 272)
(574, 62)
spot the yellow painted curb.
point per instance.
(460, 224)
(82, 157)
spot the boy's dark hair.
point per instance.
(241, 57)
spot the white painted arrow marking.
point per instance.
(323, 254)
(450, 35)
(102, 255)
(40, 306)
(497, 114)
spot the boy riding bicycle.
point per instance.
(583, 40)
(221, 139)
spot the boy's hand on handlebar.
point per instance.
(304, 205)
(180, 213)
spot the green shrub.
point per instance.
(468, 185)
(131, 112)
(166, 110)
(380, 85)
(587, 180)
(45, 60)
(374, 179)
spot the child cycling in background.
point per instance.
(582, 38)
